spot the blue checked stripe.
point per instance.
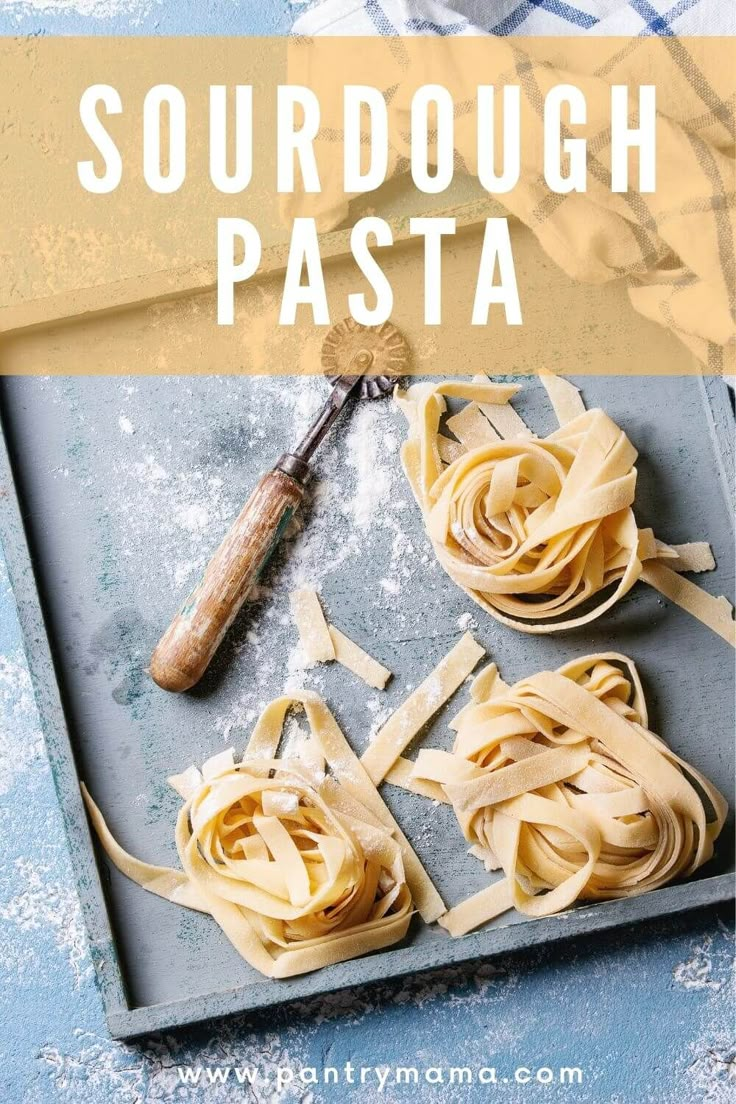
(394, 17)
(655, 23)
(661, 24)
(564, 11)
(378, 17)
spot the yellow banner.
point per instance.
(214, 205)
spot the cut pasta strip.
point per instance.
(449, 450)
(478, 909)
(299, 872)
(696, 556)
(480, 390)
(559, 781)
(401, 774)
(352, 656)
(505, 420)
(323, 642)
(534, 529)
(313, 630)
(486, 684)
(471, 428)
(172, 885)
(412, 715)
(564, 396)
(716, 613)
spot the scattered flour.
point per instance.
(148, 1072)
(42, 902)
(149, 472)
(194, 518)
(95, 9)
(380, 712)
(466, 622)
(19, 747)
(697, 972)
(367, 457)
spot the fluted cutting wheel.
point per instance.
(386, 345)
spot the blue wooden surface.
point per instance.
(647, 1014)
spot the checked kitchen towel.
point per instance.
(523, 17)
(676, 246)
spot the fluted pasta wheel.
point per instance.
(559, 782)
(300, 868)
(534, 528)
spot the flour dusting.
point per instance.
(19, 747)
(44, 903)
(93, 9)
(368, 453)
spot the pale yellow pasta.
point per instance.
(352, 656)
(413, 713)
(564, 396)
(301, 869)
(323, 643)
(559, 782)
(314, 632)
(534, 529)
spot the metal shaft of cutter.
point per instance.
(339, 395)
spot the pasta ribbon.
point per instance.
(300, 868)
(322, 642)
(534, 528)
(559, 782)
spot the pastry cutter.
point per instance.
(361, 362)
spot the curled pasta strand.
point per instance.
(532, 529)
(300, 868)
(558, 781)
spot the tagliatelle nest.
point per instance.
(559, 782)
(299, 867)
(534, 528)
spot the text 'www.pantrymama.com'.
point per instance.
(280, 1078)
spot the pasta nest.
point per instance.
(301, 871)
(559, 781)
(296, 869)
(532, 529)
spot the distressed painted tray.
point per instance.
(114, 489)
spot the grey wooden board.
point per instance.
(124, 487)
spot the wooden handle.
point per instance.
(186, 648)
